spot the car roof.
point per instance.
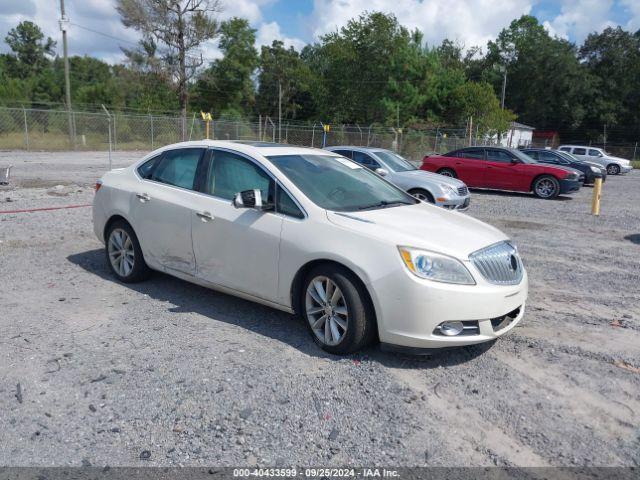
(579, 146)
(356, 147)
(249, 148)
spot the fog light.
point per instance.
(451, 329)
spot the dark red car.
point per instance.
(504, 169)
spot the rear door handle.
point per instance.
(143, 197)
(205, 216)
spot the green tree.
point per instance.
(478, 101)
(284, 69)
(30, 49)
(228, 84)
(546, 85)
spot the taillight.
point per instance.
(98, 185)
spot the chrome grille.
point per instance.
(462, 191)
(499, 264)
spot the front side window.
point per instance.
(579, 151)
(286, 205)
(565, 149)
(365, 160)
(532, 153)
(337, 184)
(344, 153)
(498, 156)
(550, 158)
(230, 173)
(594, 153)
(178, 167)
(394, 161)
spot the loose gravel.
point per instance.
(94, 372)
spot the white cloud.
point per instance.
(579, 18)
(468, 22)
(268, 32)
(633, 10)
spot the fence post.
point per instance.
(635, 147)
(151, 119)
(109, 128)
(260, 127)
(26, 128)
(115, 133)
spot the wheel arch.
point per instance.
(542, 174)
(114, 218)
(424, 189)
(298, 280)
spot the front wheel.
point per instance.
(336, 310)
(423, 195)
(546, 187)
(613, 169)
(124, 254)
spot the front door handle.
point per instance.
(143, 197)
(205, 216)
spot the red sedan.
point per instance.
(504, 169)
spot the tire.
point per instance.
(613, 169)
(351, 324)
(447, 172)
(123, 253)
(421, 194)
(546, 186)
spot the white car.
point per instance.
(614, 165)
(310, 232)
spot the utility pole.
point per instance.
(504, 86)
(64, 26)
(279, 112)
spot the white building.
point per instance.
(519, 135)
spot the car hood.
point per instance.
(422, 226)
(562, 167)
(594, 164)
(418, 175)
(623, 161)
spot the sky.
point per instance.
(96, 29)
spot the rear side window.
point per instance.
(498, 156)
(579, 151)
(474, 153)
(566, 149)
(286, 205)
(178, 167)
(146, 169)
(230, 174)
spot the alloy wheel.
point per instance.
(545, 188)
(327, 311)
(421, 196)
(613, 169)
(121, 252)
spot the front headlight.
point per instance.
(595, 169)
(435, 266)
(448, 189)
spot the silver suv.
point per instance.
(430, 187)
(614, 165)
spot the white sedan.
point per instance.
(309, 232)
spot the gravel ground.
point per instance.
(168, 373)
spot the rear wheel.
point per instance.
(613, 169)
(423, 195)
(447, 172)
(336, 310)
(546, 187)
(124, 254)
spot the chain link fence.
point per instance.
(51, 130)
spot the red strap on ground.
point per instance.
(27, 210)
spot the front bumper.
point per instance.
(454, 203)
(569, 186)
(409, 309)
(626, 168)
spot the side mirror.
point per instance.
(382, 172)
(251, 199)
(515, 161)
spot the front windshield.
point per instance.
(338, 184)
(394, 161)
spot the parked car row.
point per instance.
(311, 232)
(614, 165)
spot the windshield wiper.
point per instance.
(383, 204)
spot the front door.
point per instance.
(504, 172)
(236, 247)
(161, 209)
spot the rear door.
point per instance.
(470, 166)
(580, 152)
(161, 209)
